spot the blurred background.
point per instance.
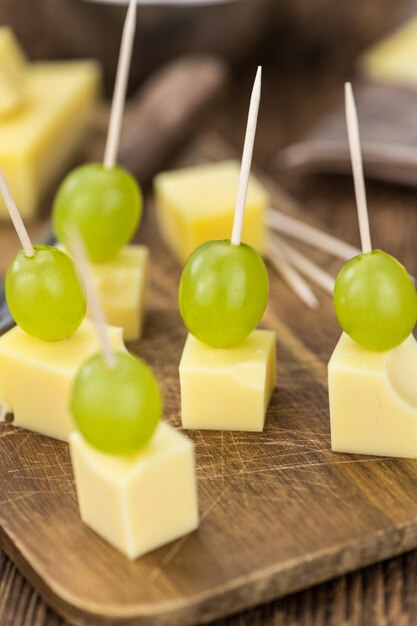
(307, 48)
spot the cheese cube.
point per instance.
(393, 58)
(373, 399)
(12, 73)
(39, 140)
(227, 389)
(122, 286)
(36, 377)
(141, 502)
(197, 204)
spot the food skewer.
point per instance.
(123, 457)
(34, 280)
(15, 216)
(314, 237)
(103, 201)
(374, 297)
(79, 254)
(119, 94)
(357, 168)
(117, 408)
(247, 159)
(375, 302)
(280, 261)
(223, 294)
(231, 308)
(123, 415)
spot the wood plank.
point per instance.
(376, 596)
(279, 511)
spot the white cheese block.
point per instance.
(227, 389)
(140, 502)
(373, 399)
(36, 377)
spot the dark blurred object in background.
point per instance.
(74, 28)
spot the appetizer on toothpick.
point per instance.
(104, 203)
(135, 476)
(373, 407)
(223, 293)
(115, 400)
(39, 357)
(224, 284)
(43, 290)
(374, 296)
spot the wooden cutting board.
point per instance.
(279, 511)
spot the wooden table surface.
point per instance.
(384, 594)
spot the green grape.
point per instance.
(104, 205)
(116, 409)
(44, 294)
(223, 292)
(375, 301)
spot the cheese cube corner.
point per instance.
(227, 389)
(373, 399)
(197, 204)
(391, 60)
(36, 377)
(142, 502)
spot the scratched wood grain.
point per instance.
(279, 511)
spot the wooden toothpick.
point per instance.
(15, 216)
(293, 279)
(119, 94)
(357, 168)
(313, 237)
(304, 265)
(78, 252)
(247, 159)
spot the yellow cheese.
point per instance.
(122, 286)
(197, 204)
(36, 377)
(42, 137)
(227, 389)
(12, 73)
(141, 502)
(373, 399)
(394, 58)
